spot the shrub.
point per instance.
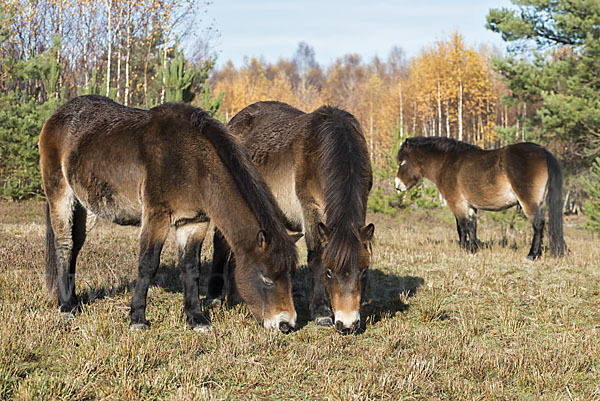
(592, 205)
(21, 121)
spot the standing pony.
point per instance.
(470, 178)
(171, 166)
(318, 168)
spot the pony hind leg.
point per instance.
(189, 242)
(472, 232)
(65, 235)
(467, 233)
(462, 232)
(155, 227)
(537, 222)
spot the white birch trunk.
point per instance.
(460, 111)
(439, 105)
(109, 38)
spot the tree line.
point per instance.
(447, 90)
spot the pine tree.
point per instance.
(592, 206)
(179, 80)
(562, 75)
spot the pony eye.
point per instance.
(328, 273)
(267, 281)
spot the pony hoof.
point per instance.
(202, 329)
(67, 317)
(215, 302)
(138, 326)
(324, 321)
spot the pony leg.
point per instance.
(154, 231)
(189, 242)
(467, 233)
(65, 235)
(319, 305)
(537, 222)
(462, 232)
(472, 232)
(221, 255)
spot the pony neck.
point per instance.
(430, 163)
(237, 223)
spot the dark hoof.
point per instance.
(324, 321)
(138, 326)
(215, 302)
(532, 257)
(71, 307)
(67, 317)
(202, 328)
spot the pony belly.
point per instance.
(103, 201)
(290, 206)
(282, 184)
(498, 198)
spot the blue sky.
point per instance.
(273, 28)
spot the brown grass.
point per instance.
(440, 324)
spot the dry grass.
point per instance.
(440, 324)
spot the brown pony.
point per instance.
(470, 178)
(169, 166)
(318, 168)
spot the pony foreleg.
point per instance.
(320, 309)
(189, 242)
(152, 238)
(221, 256)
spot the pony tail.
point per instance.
(555, 206)
(50, 258)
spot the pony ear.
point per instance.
(296, 236)
(366, 232)
(324, 232)
(262, 240)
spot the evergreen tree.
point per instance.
(179, 80)
(563, 73)
(592, 206)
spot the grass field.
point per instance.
(440, 323)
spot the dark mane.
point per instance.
(438, 143)
(251, 186)
(345, 162)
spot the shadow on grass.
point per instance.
(386, 294)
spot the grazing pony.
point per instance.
(170, 166)
(317, 166)
(470, 178)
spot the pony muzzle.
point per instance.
(282, 322)
(347, 322)
(400, 187)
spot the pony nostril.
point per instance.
(284, 327)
